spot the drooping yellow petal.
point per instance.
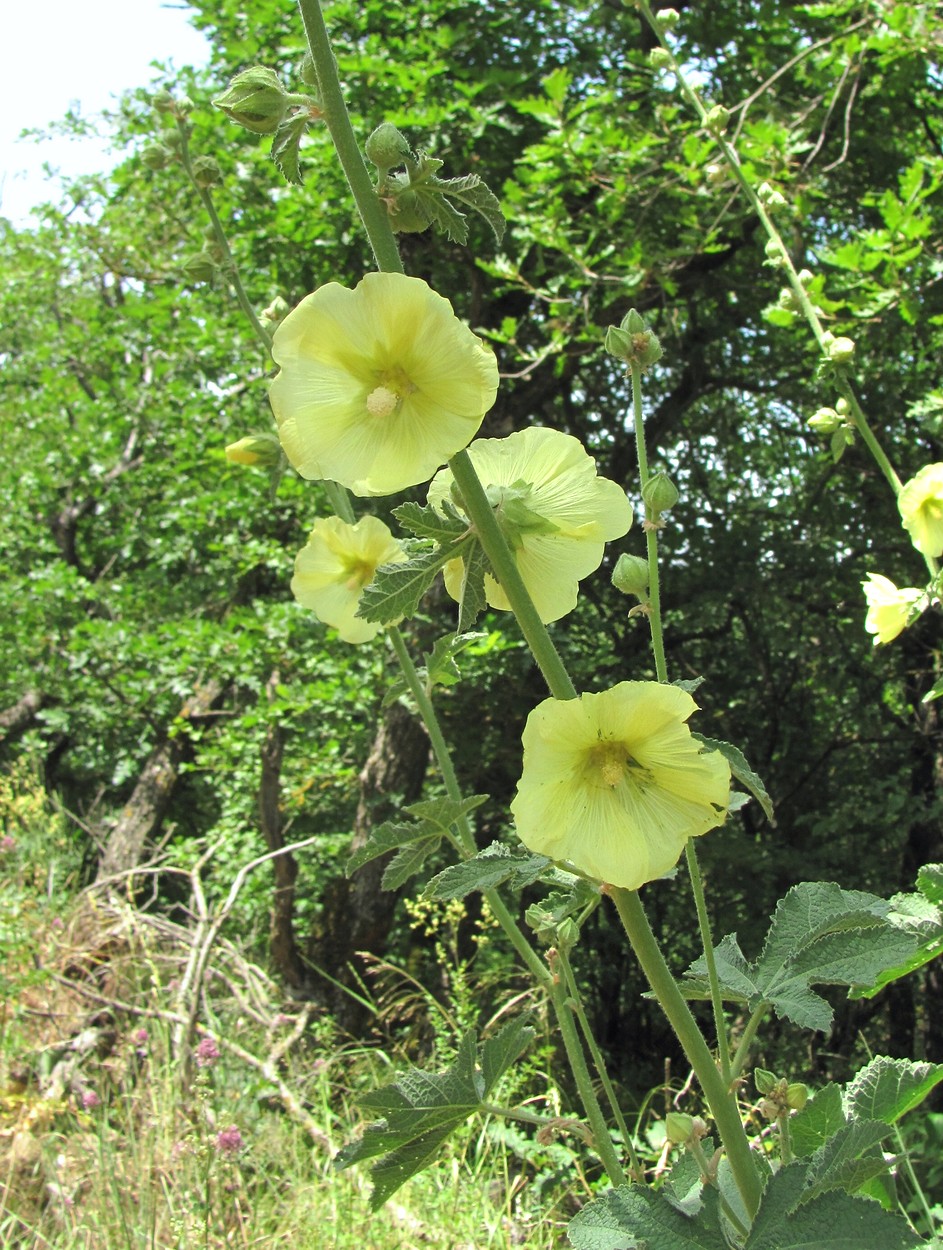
(889, 609)
(921, 508)
(378, 386)
(558, 521)
(332, 570)
(614, 784)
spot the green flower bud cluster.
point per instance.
(779, 1096)
(277, 311)
(667, 19)
(682, 1129)
(633, 342)
(658, 58)
(717, 119)
(769, 197)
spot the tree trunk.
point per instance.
(145, 810)
(358, 914)
(286, 957)
(20, 715)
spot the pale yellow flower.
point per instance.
(921, 508)
(378, 386)
(614, 784)
(889, 609)
(337, 563)
(556, 514)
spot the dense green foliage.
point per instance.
(138, 563)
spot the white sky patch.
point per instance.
(62, 54)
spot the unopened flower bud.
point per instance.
(658, 58)
(824, 421)
(667, 19)
(256, 449)
(805, 276)
(206, 172)
(255, 99)
(201, 267)
(843, 407)
(775, 255)
(769, 196)
(659, 494)
(387, 147)
(717, 119)
(678, 1127)
(631, 576)
(277, 311)
(633, 342)
(787, 299)
(841, 351)
(715, 173)
(163, 101)
(568, 932)
(156, 156)
(797, 1095)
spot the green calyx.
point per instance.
(514, 514)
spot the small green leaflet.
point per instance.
(414, 840)
(428, 522)
(420, 1110)
(921, 915)
(396, 589)
(820, 935)
(439, 669)
(491, 867)
(439, 197)
(741, 770)
(637, 1216)
(472, 601)
(285, 145)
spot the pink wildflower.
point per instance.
(207, 1052)
(90, 1099)
(229, 1141)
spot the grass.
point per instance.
(117, 1133)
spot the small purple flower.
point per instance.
(90, 1099)
(229, 1141)
(57, 923)
(140, 1037)
(7, 843)
(207, 1052)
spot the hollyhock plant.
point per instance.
(921, 508)
(338, 561)
(889, 609)
(614, 784)
(554, 510)
(378, 386)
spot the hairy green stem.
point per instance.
(704, 924)
(742, 1052)
(219, 234)
(651, 532)
(636, 1167)
(446, 767)
(502, 561)
(722, 1102)
(334, 108)
(564, 1007)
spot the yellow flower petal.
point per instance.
(921, 508)
(614, 784)
(889, 609)
(378, 386)
(335, 566)
(574, 514)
